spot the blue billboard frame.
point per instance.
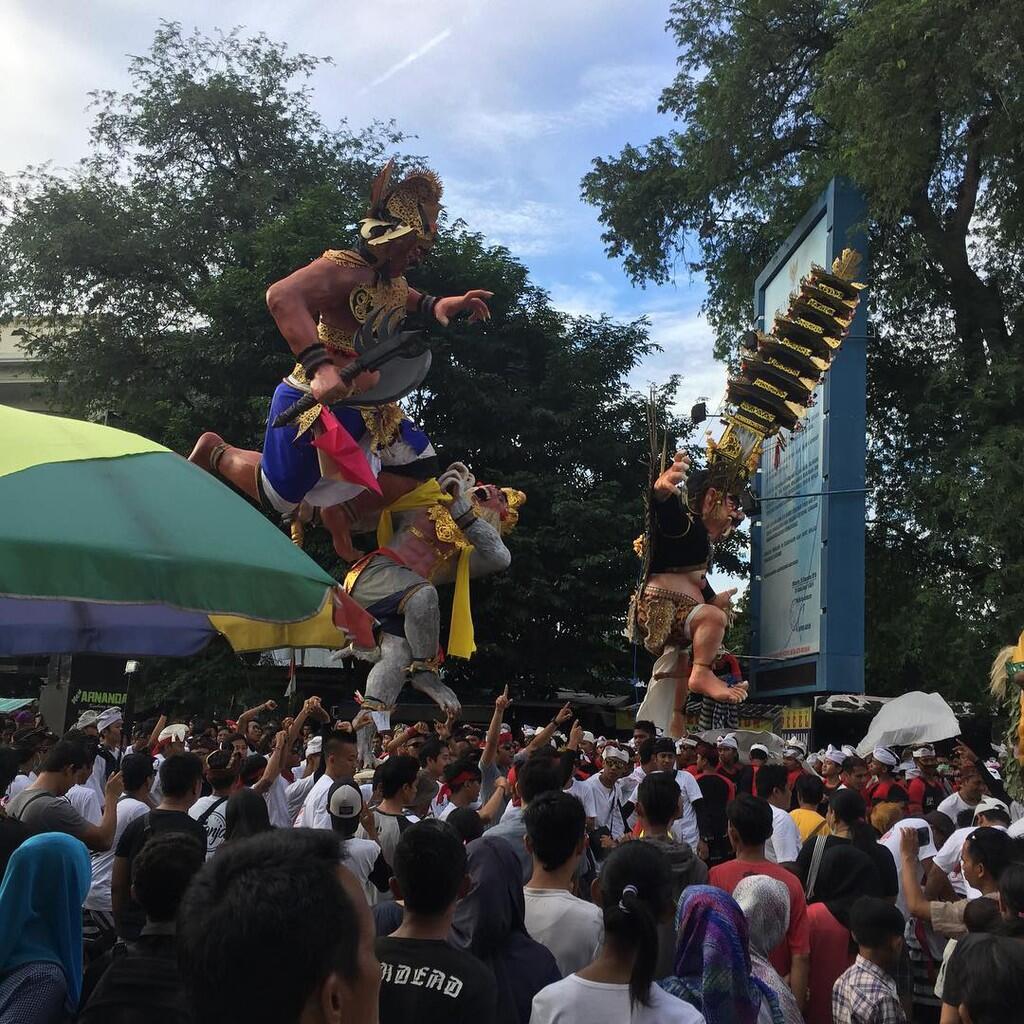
(838, 667)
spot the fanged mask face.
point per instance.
(499, 506)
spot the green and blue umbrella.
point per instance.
(113, 544)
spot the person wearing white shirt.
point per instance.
(556, 838)
(619, 985)
(772, 784)
(685, 828)
(98, 913)
(362, 855)
(298, 790)
(604, 797)
(109, 725)
(926, 851)
(966, 798)
(222, 770)
(83, 798)
(341, 761)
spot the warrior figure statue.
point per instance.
(675, 606)
(450, 541)
(686, 515)
(320, 309)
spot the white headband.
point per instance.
(885, 756)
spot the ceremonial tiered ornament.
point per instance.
(780, 370)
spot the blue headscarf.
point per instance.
(712, 970)
(41, 898)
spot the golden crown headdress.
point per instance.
(516, 500)
(403, 214)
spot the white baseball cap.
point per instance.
(990, 803)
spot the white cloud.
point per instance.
(526, 226)
(604, 94)
(410, 58)
(682, 332)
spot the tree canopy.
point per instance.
(141, 273)
(921, 104)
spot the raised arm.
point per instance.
(273, 769)
(100, 837)
(295, 729)
(295, 303)
(247, 716)
(490, 752)
(496, 802)
(154, 736)
(543, 736)
(917, 905)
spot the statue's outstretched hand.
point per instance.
(472, 302)
(673, 479)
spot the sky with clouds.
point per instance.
(509, 99)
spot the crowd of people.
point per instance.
(306, 869)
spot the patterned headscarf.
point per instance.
(765, 904)
(712, 966)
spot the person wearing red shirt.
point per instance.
(750, 826)
(885, 788)
(686, 755)
(793, 755)
(926, 791)
(716, 792)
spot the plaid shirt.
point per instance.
(865, 994)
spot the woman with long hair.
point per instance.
(845, 874)
(847, 822)
(635, 893)
(713, 972)
(246, 815)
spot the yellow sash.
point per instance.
(461, 643)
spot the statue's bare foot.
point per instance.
(703, 681)
(204, 449)
(443, 696)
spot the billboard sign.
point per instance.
(807, 543)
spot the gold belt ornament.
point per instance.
(382, 421)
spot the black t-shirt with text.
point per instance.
(427, 981)
(132, 840)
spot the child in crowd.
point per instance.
(866, 993)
